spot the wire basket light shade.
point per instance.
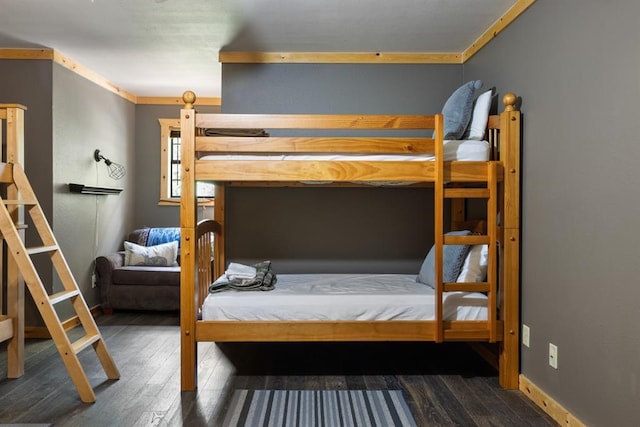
(116, 170)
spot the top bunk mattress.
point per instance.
(454, 150)
(366, 297)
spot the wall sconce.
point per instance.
(116, 170)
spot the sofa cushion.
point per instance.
(146, 275)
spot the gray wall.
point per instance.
(87, 117)
(147, 165)
(576, 66)
(337, 88)
(29, 82)
(67, 118)
(333, 229)
(338, 230)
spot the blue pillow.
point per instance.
(458, 108)
(159, 235)
(453, 259)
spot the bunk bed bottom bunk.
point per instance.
(342, 307)
(339, 307)
(361, 297)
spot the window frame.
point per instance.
(166, 126)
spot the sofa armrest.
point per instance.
(104, 270)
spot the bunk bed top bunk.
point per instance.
(418, 155)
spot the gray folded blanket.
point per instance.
(265, 280)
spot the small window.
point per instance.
(170, 176)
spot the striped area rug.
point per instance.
(318, 408)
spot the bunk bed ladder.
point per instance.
(490, 193)
(13, 174)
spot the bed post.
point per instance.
(438, 234)
(188, 254)
(14, 116)
(510, 155)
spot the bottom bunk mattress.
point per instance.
(366, 297)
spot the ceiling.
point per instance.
(159, 48)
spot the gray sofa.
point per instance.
(136, 287)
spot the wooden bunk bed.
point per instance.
(497, 181)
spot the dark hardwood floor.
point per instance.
(444, 384)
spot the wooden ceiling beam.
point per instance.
(496, 28)
(340, 57)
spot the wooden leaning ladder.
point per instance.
(20, 188)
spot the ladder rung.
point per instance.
(63, 296)
(84, 342)
(472, 239)
(41, 249)
(20, 226)
(466, 193)
(20, 202)
(466, 287)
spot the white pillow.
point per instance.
(479, 117)
(475, 264)
(163, 255)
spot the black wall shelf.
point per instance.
(87, 189)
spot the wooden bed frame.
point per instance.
(497, 181)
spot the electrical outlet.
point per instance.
(553, 356)
(93, 280)
(525, 335)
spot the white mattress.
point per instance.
(468, 150)
(343, 297)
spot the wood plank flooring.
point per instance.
(444, 385)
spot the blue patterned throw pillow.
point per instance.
(159, 235)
